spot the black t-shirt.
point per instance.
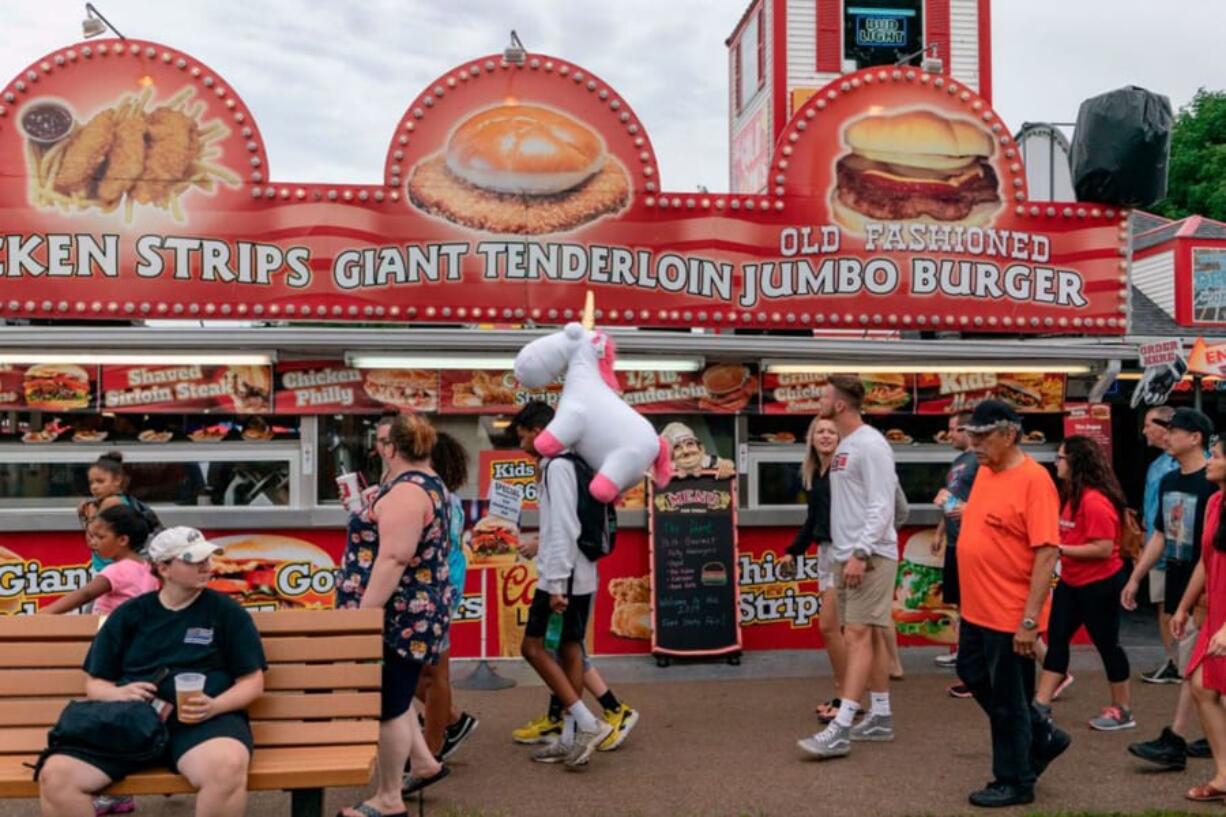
(817, 521)
(1182, 499)
(214, 636)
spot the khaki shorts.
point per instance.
(871, 603)
(1157, 586)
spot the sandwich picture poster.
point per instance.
(721, 388)
(49, 387)
(471, 391)
(330, 387)
(884, 393)
(948, 393)
(187, 389)
(895, 200)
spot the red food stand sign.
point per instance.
(896, 200)
(188, 388)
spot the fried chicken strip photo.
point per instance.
(126, 161)
(85, 153)
(172, 149)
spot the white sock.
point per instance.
(568, 730)
(880, 703)
(583, 716)
(847, 713)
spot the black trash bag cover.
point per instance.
(1121, 148)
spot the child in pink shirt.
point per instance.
(117, 534)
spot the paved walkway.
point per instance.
(727, 747)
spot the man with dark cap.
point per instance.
(1183, 496)
(1007, 551)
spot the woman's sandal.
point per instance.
(415, 784)
(828, 711)
(367, 810)
(1207, 793)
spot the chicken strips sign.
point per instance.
(135, 184)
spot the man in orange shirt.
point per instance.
(1007, 551)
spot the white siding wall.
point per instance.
(802, 47)
(1155, 276)
(963, 63)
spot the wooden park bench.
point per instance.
(315, 727)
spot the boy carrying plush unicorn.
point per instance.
(592, 420)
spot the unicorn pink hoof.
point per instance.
(603, 489)
(547, 445)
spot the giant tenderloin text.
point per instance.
(917, 260)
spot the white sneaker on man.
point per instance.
(586, 742)
(947, 660)
(877, 728)
(833, 741)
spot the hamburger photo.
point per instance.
(885, 392)
(919, 609)
(407, 389)
(522, 169)
(915, 166)
(56, 387)
(494, 539)
(250, 388)
(730, 386)
(1019, 393)
(11, 605)
(248, 565)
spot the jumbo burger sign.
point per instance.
(897, 199)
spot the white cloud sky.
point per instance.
(328, 81)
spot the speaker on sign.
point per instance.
(1121, 148)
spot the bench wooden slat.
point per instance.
(309, 622)
(296, 767)
(58, 654)
(330, 648)
(45, 712)
(320, 733)
(32, 683)
(47, 628)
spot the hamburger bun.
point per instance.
(494, 539)
(248, 565)
(920, 139)
(56, 387)
(729, 387)
(524, 150)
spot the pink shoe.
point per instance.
(105, 804)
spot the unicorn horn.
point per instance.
(589, 312)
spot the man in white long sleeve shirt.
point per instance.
(863, 486)
(566, 580)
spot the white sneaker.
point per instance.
(833, 741)
(553, 752)
(947, 660)
(879, 728)
(586, 742)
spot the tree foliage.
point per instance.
(1197, 180)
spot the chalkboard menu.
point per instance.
(693, 568)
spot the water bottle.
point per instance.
(553, 632)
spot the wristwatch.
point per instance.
(862, 554)
(1029, 624)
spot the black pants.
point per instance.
(1003, 685)
(1097, 606)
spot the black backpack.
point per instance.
(130, 731)
(597, 520)
(146, 514)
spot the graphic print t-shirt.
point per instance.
(1182, 499)
(958, 482)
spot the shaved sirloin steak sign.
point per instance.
(136, 185)
(179, 389)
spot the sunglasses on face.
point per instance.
(1161, 423)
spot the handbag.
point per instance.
(1132, 536)
(130, 731)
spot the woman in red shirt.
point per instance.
(1091, 576)
(1207, 667)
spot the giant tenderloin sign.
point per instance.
(136, 184)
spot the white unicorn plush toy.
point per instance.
(591, 419)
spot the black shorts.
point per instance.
(183, 738)
(574, 620)
(950, 590)
(1178, 574)
(400, 677)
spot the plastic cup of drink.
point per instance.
(188, 685)
(349, 488)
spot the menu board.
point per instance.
(1091, 420)
(947, 393)
(884, 392)
(177, 389)
(52, 387)
(694, 594)
(471, 391)
(331, 387)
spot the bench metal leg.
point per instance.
(307, 803)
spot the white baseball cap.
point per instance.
(183, 543)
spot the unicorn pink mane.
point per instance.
(607, 360)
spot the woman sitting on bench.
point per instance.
(182, 628)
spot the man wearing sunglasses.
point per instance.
(1157, 420)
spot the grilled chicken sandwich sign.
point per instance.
(136, 185)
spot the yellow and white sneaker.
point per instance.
(541, 730)
(623, 720)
